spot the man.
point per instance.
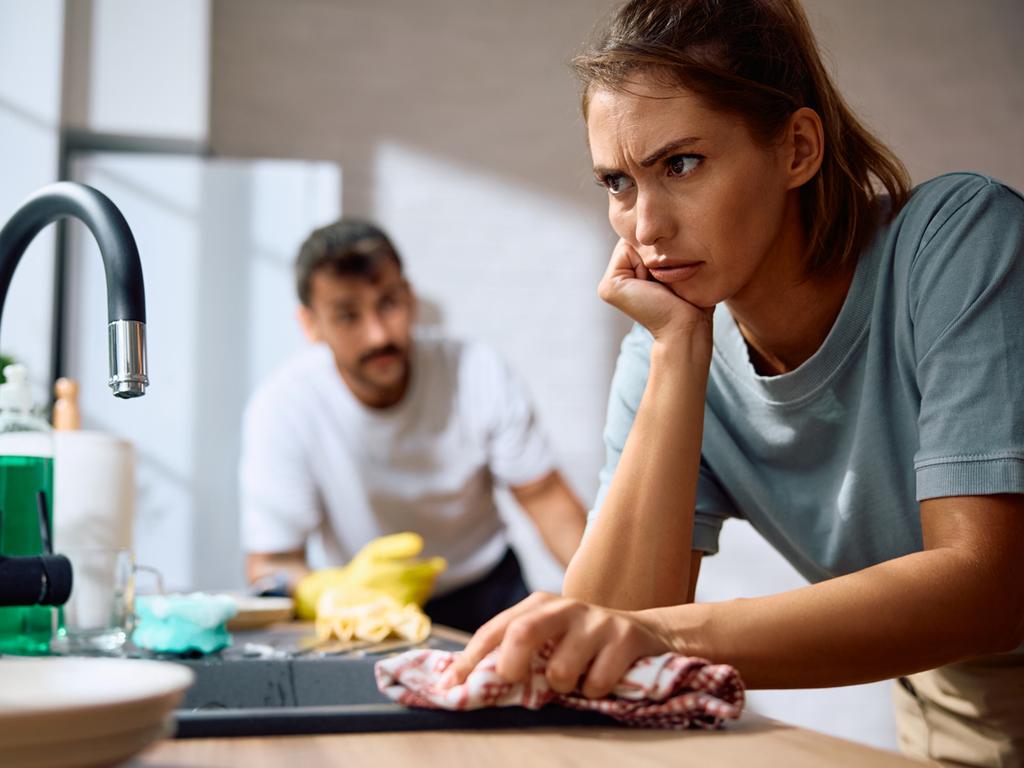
(376, 430)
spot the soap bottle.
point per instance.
(26, 494)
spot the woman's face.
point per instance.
(689, 189)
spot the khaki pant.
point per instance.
(965, 714)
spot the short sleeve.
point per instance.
(967, 304)
(628, 384)
(713, 508)
(279, 499)
(517, 449)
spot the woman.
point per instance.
(857, 397)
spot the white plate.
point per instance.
(85, 711)
(256, 612)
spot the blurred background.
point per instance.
(225, 130)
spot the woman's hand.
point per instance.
(595, 646)
(629, 287)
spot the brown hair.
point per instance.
(758, 59)
(347, 248)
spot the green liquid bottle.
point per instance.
(26, 470)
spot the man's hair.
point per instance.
(758, 59)
(347, 248)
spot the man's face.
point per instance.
(367, 323)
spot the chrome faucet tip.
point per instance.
(128, 368)
(128, 389)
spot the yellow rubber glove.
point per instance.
(386, 565)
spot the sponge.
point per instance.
(180, 623)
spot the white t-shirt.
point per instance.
(322, 471)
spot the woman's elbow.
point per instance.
(1004, 632)
(1012, 637)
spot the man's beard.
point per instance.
(389, 389)
(388, 349)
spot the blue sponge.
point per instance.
(181, 623)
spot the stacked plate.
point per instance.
(61, 712)
(254, 612)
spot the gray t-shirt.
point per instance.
(917, 392)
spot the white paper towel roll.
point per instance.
(93, 490)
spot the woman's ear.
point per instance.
(308, 322)
(804, 142)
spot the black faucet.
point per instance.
(46, 579)
(126, 300)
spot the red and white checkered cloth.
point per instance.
(667, 691)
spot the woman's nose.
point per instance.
(653, 219)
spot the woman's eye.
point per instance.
(683, 165)
(616, 183)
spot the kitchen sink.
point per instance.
(262, 686)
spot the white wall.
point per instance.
(138, 67)
(31, 35)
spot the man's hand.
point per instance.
(276, 567)
(387, 565)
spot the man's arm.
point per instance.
(275, 566)
(556, 511)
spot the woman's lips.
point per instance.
(675, 273)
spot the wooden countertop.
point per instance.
(754, 740)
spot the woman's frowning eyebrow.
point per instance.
(651, 159)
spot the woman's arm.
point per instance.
(645, 526)
(962, 596)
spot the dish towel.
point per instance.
(667, 691)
